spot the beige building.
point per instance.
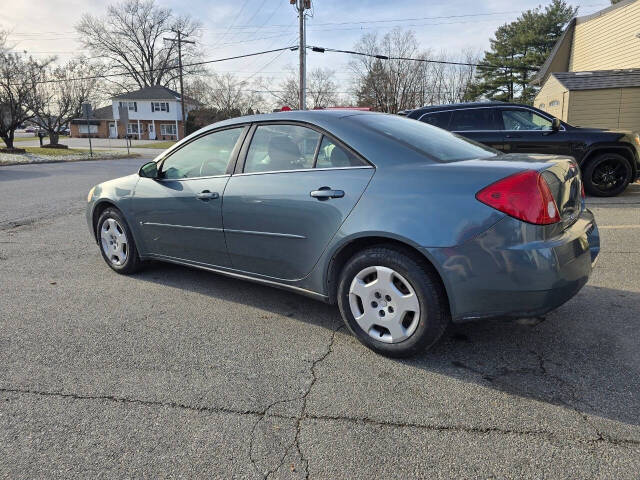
(592, 77)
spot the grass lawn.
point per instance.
(20, 139)
(165, 144)
(55, 152)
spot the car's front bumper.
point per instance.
(516, 269)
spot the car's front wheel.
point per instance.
(391, 302)
(116, 242)
(607, 175)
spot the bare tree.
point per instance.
(130, 38)
(399, 83)
(229, 93)
(17, 73)
(447, 83)
(322, 90)
(224, 93)
(388, 85)
(59, 92)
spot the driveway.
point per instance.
(178, 372)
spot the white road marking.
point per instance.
(617, 227)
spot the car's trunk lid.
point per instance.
(565, 183)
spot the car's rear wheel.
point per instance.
(607, 175)
(116, 242)
(391, 302)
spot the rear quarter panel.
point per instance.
(423, 204)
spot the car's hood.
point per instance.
(117, 188)
(605, 130)
(125, 181)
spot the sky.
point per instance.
(235, 27)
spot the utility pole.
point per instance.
(301, 6)
(180, 40)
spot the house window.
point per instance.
(132, 106)
(554, 103)
(167, 129)
(132, 129)
(83, 129)
(541, 105)
(159, 106)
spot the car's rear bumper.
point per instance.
(517, 270)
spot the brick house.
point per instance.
(154, 114)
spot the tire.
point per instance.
(420, 307)
(116, 242)
(607, 175)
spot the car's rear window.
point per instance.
(438, 144)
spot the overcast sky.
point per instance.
(233, 27)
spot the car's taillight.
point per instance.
(525, 196)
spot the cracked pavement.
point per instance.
(177, 372)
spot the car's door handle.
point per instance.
(514, 135)
(207, 195)
(325, 193)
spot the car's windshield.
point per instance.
(434, 142)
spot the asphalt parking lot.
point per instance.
(176, 372)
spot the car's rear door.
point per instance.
(294, 187)
(526, 131)
(479, 124)
(180, 212)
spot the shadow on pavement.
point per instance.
(583, 356)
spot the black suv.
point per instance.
(609, 160)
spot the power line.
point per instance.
(193, 64)
(424, 60)
(440, 17)
(234, 21)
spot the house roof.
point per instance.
(558, 59)
(155, 92)
(599, 79)
(103, 113)
(97, 115)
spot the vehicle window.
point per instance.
(473, 119)
(433, 142)
(206, 156)
(281, 147)
(521, 119)
(332, 155)
(438, 119)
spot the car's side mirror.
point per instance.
(555, 124)
(149, 170)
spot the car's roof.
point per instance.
(458, 106)
(311, 116)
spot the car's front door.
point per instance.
(180, 212)
(296, 187)
(526, 131)
(479, 124)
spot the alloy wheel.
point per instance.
(609, 174)
(384, 304)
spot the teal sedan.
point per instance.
(406, 227)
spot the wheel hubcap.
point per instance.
(114, 242)
(384, 304)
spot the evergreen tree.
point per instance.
(518, 50)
